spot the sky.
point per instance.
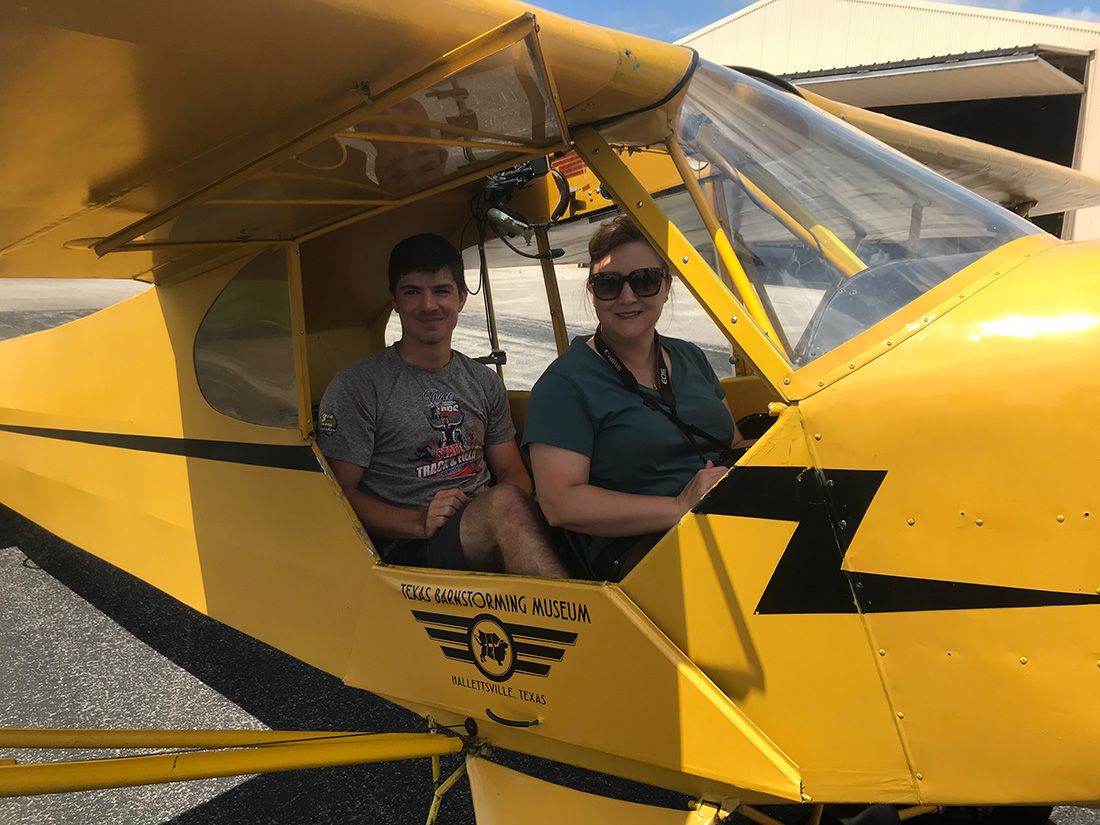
(672, 19)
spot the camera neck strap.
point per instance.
(630, 383)
(667, 405)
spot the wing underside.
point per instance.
(1016, 181)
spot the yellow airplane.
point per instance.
(891, 600)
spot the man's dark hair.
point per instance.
(612, 234)
(426, 253)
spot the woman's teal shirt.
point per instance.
(580, 405)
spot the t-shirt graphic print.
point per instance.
(454, 452)
(415, 431)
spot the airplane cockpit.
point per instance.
(839, 209)
(823, 274)
(797, 222)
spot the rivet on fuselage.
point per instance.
(1023, 660)
(979, 522)
(901, 715)
(638, 204)
(787, 380)
(911, 521)
(881, 651)
(1061, 518)
(817, 436)
(595, 151)
(889, 343)
(822, 384)
(851, 366)
(733, 320)
(920, 777)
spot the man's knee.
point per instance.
(509, 500)
(497, 517)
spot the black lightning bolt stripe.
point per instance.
(828, 506)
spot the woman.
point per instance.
(608, 460)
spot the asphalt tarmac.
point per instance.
(28, 305)
(83, 644)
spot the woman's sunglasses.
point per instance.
(644, 282)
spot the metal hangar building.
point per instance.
(1021, 81)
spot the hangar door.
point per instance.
(1027, 99)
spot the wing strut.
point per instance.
(201, 754)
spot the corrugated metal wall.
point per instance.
(788, 36)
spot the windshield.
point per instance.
(834, 230)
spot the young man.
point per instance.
(417, 434)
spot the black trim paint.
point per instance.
(768, 77)
(895, 594)
(546, 634)
(447, 635)
(443, 618)
(829, 506)
(531, 668)
(463, 655)
(521, 649)
(279, 456)
(554, 654)
(595, 124)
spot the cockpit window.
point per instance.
(834, 230)
(244, 359)
(497, 108)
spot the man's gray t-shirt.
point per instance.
(415, 431)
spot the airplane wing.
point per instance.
(1009, 178)
(182, 126)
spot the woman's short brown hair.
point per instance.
(612, 234)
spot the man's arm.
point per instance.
(383, 519)
(506, 465)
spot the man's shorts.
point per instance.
(443, 549)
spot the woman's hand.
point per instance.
(698, 486)
(569, 501)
